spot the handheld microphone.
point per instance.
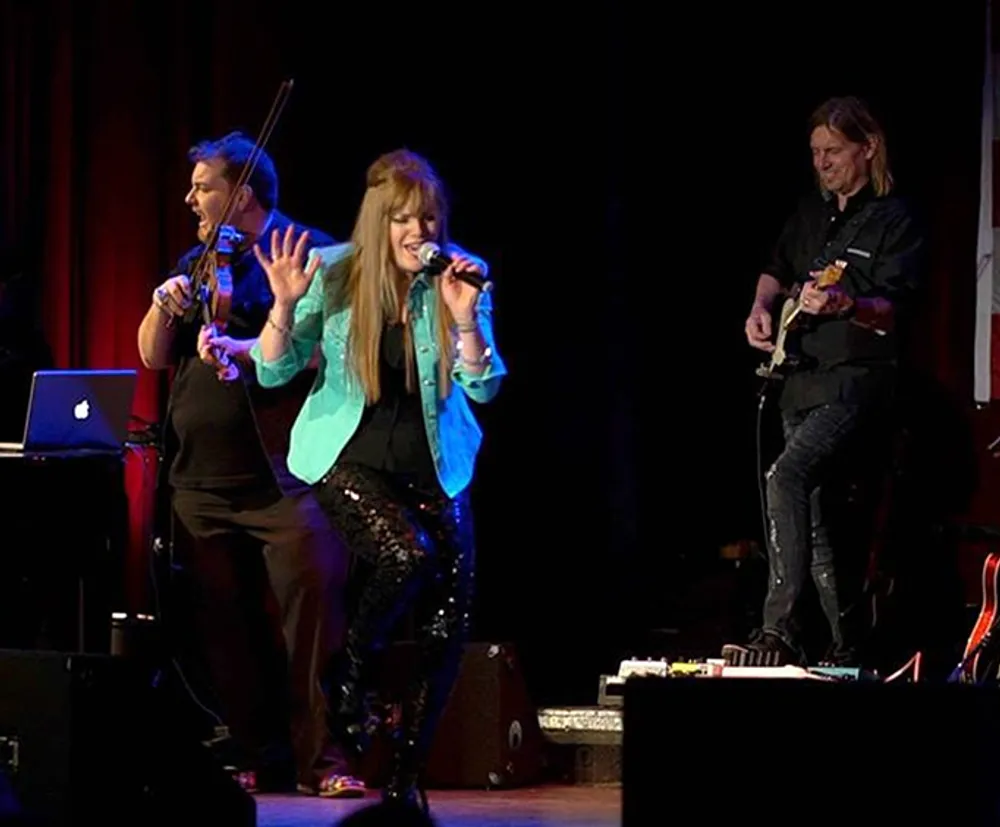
(430, 255)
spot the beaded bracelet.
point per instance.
(284, 331)
(484, 357)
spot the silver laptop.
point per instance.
(76, 409)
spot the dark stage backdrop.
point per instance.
(624, 180)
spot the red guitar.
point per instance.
(979, 663)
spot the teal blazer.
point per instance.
(333, 409)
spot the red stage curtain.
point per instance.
(94, 101)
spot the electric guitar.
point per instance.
(979, 660)
(791, 308)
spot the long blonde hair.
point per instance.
(374, 285)
(852, 118)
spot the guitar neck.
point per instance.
(793, 314)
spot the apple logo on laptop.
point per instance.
(81, 410)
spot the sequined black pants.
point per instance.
(414, 542)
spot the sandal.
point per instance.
(335, 786)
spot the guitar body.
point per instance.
(977, 666)
(782, 322)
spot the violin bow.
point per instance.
(284, 91)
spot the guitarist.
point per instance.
(848, 346)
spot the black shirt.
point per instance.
(391, 436)
(214, 432)
(884, 249)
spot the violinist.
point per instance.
(245, 533)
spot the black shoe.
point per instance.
(404, 787)
(407, 794)
(764, 649)
(264, 769)
(845, 658)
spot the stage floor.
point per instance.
(545, 806)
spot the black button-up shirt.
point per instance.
(842, 360)
(391, 436)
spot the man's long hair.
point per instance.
(375, 288)
(852, 118)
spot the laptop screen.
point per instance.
(79, 409)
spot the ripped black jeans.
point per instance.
(413, 542)
(804, 489)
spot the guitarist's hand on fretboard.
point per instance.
(824, 301)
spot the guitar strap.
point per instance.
(835, 247)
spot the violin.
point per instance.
(212, 289)
(212, 275)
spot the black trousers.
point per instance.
(269, 687)
(411, 543)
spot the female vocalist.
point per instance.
(386, 435)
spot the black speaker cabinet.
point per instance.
(86, 738)
(488, 735)
(809, 752)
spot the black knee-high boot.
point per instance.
(422, 708)
(441, 639)
(386, 594)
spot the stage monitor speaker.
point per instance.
(87, 739)
(809, 751)
(488, 735)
